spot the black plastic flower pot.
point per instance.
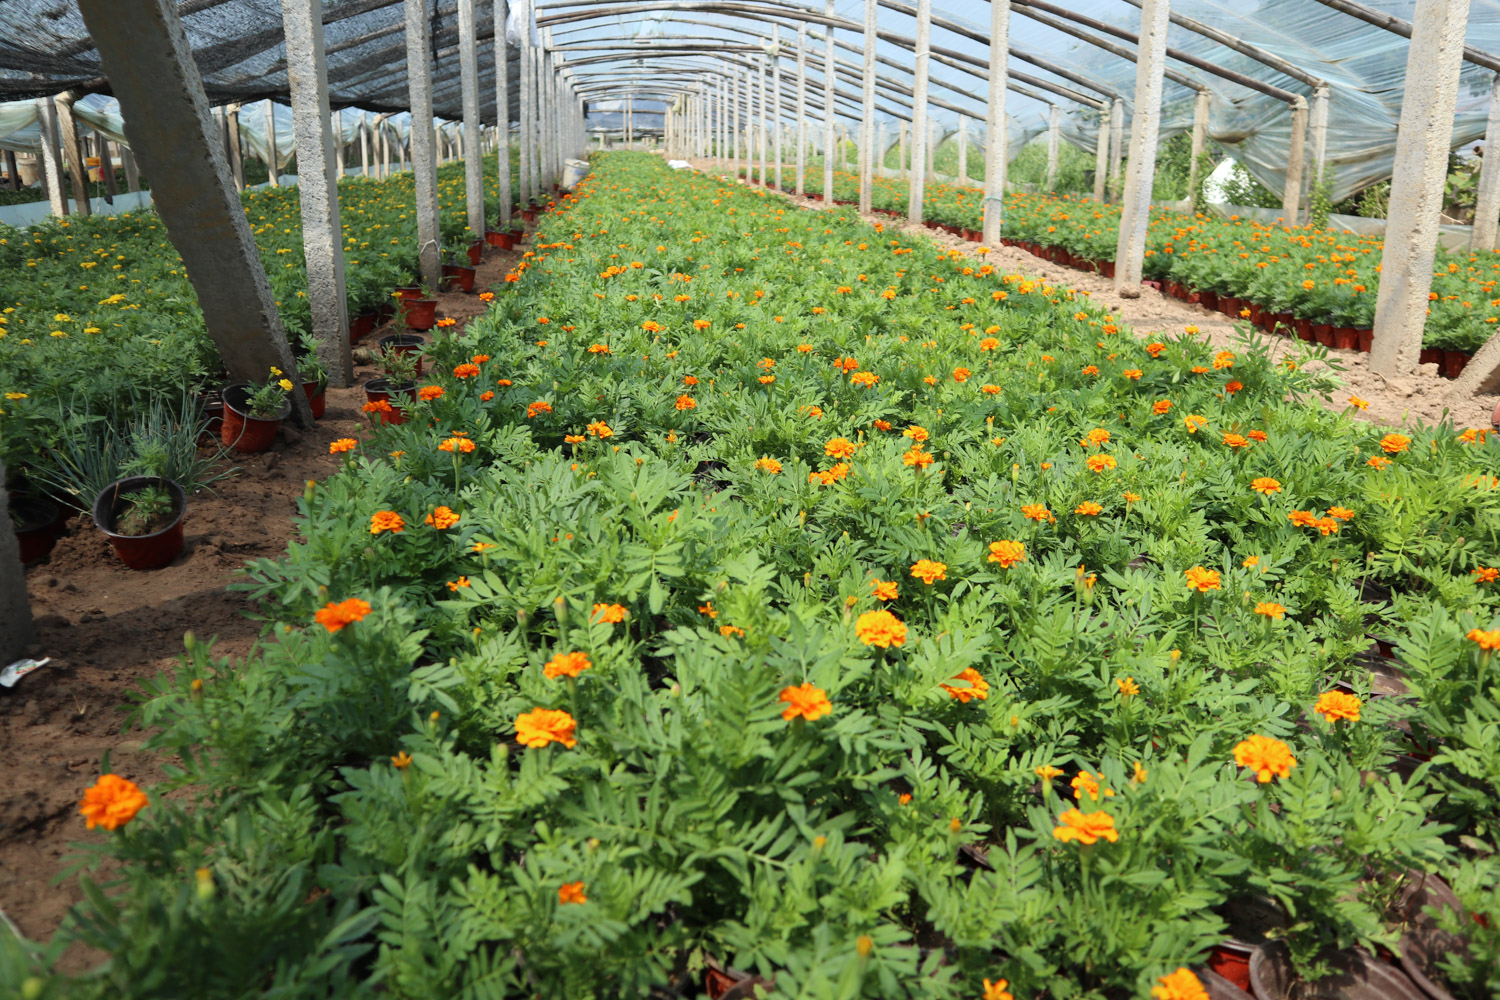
(141, 551)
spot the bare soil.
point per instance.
(106, 628)
(1418, 398)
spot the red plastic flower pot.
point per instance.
(1303, 326)
(1323, 334)
(409, 292)
(493, 237)
(360, 327)
(317, 399)
(1366, 339)
(1454, 362)
(1345, 338)
(241, 431)
(1430, 356)
(1232, 961)
(37, 524)
(377, 389)
(459, 277)
(405, 343)
(420, 314)
(476, 253)
(1107, 268)
(1229, 306)
(141, 551)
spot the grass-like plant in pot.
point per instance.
(142, 518)
(401, 368)
(253, 413)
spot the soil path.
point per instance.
(106, 628)
(1420, 397)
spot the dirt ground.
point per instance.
(106, 628)
(1420, 397)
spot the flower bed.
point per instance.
(752, 591)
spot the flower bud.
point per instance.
(560, 610)
(863, 945)
(205, 883)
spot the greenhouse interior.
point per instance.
(750, 498)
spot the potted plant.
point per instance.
(399, 381)
(142, 518)
(253, 413)
(406, 344)
(458, 276)
(37, 524)
(418, 309)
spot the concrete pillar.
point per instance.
(401, 144)
(880, 149)
(107, 169)
(764, 119)
(902, 162)
(68, 132)
(1151, 62)
(830, 73)
(16, 632)
(424, 167)
(1116, 142)
(51, 161)
(1054, 142)
(1200, 138)
(338, 140)
(133, 174)
(1317, 129)
(364, 144)
(1417, 182)
(735, 97)
(528, 109)
(800, 189)
(1291, 194)
(502, 110)
(317, 188)
(963, 149)
(144, 52)
(272, 169)
(1487, 205)
(468, 63)
(996, 139)
(1101, 154)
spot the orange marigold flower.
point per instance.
(768, 464)
(689, 380)
(880, 628)
(1270, 609)
(1194, 423)
(1342, 513)
(1358, 403)
(806, 701)
(1127, 686)
(686, 403)
(1202, 580)
(1265, 485)
(610, 614)
(864, 380)
(1179, 985)
(566, 665)
(916, 433)
(111, 802)
(540, 406)
(989, 344)
(1084, 783)
(961, 374)
(839, 448)
(1485, 574)
(990, 390)
(1134, 374)
(600, 428)
(486, 296)
(459, 444)
(882, 425)
(1096, 436)
(599, 349)
(1155, 349)
(1256, 435)
(486, 396)
(1161, 406)
(1036, 512)
(1487, 640)
(336, 614)
(459, 584)
(465, 370)
(977, 686)
(1101, 463)
(1233, 386)
(929, 571)
(730, 631)
(571, 892)
(1199, 369)
(1236, 440)
(541, 726)
(1224, 359)
(342, 445)
(1007, 553)
(377, 406)
(1268, 758)
(574, 439)
(442, 518)
(430, 392)
(1088, 508)
(885, 590)
(504, 383)
(386, 520)
(916, 457)
(1394, 443)
(1086, 828)
(1090, 370)
(1336, 705)
(1378, 462)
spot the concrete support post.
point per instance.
(963, 149)
(1317, 129)
(903, 160)
(502, 110)
(401, 144)
(338, 140)
(735, 97)
(917, 182)
(317, 186)
(801, 108)
(867, 152)
(764, 127)
(133, 173)
(880, 149)
(1101, 154)
(1200, 141)
(1291, 195)
(1487, 205)
(1417, 182)
(468, 63)
(68, 130)
(527, 131)
(830, 139)
(273, 171)
(1151, 63)
(144, 52)
(996, 153)
(16, 632)
(51, 164)
(364, 144)
(1054, 146)
(424, 166)
(1116, 143)
(107, 169)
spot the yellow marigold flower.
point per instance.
(1047, 772)
(996, 990)
(1088, 508)
(541, 726)
(808, 702)
(1182, 984)
(401, 761)
(839, 448)
(1084, 783)
(1194, 422)
(1086, 828)
(977, 687)
(928, 571)
(1270, 609)
(111, 802)
(1268, 758)
(571, 892)
(1007, 553)
(1336, 705)
(1265, 485)
(1394, 443)
(1101, 463)
(1139, 777)
(286, 384)
(880, 628)
(768, 464)
(1203, 580)
(1127, 686)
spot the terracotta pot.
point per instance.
(37, 523)
(528, 215)
(409, 292)
(405, 343)
(1255, 314)
(1430, 356)
(1366, 339)
(1454, 362)
(476, 253)
(420, 314)
(383, 389)
(360, 326)
(1229, 306)
(241, 431)
(141, 551)
(1107, 268)
(459, 276)
(1345, 338)
(1323, 333)
(1232, 961)
(494, 237)
(1149, 283)
(1287, 323)
(317, 400)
